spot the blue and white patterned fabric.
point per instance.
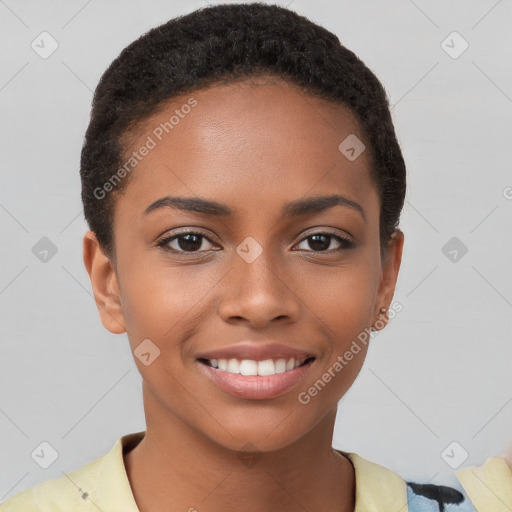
(437, 498)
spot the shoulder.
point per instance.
(56, 495)
(379, 488)
(99, 485)
(489, 486)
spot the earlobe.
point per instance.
(104, 284)
(382, 321)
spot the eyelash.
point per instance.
(345, 242)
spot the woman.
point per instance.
(243, 185)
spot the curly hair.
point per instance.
(225, 43)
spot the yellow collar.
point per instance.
(377, 488)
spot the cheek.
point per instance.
(345, 304)
(159, 301)
(343, 297)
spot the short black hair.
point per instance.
(224, 43)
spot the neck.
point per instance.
(175, 468)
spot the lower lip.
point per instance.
(256, 387)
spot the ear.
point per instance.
(389, 275)
(104, 283)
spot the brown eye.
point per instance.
(190, 241)
(322, 242)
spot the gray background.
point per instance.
(441, 370)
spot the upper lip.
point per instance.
(257, 352)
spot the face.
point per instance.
(258, 268)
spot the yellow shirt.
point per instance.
(489, 487)
(103, 485)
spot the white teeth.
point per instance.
(266, 367)
(281, 365)
(233, 366)
(251, 367)
(247, 367)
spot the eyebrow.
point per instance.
(292, 209)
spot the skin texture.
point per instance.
(253, 146)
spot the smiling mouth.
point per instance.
(252, 367)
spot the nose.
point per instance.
(258, 293)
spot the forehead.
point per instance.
(247, 144)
